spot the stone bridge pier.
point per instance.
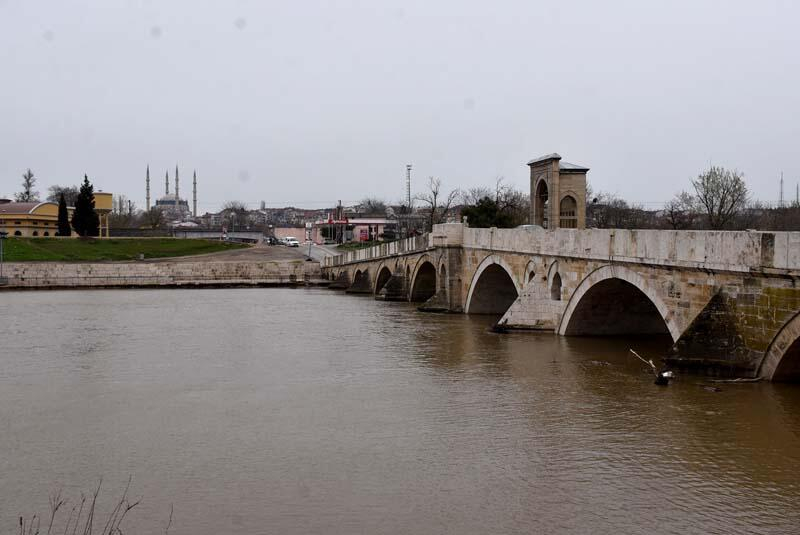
(729, 301)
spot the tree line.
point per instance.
(85, 221)
(718, 200)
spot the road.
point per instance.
(259, 253)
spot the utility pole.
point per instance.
(780, 199)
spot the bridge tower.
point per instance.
(558, 193)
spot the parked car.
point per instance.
(292, 242)
(271, 240)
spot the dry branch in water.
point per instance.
(84, 522)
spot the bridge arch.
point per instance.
(384, 274)
(781, 361)
(530, 273)
(493, 287)
(423, 283)
(361, 278)
(617, 300)
(554, 282)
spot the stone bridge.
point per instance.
(729, 301)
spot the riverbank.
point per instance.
(165, 274)
(114, 249)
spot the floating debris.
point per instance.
(738, 380)
(662, 377)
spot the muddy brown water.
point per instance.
(310, 411)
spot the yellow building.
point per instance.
(40, 219)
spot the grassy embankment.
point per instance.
(98, 250)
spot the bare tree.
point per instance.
(608, 210)
(372, 205)
(722, 194)
(436, 202)
(154, 218)
(234, 215)
(473, 196)
(70, 194)
(123, 212)
(512, 202)
(510, 206)
(27, 194)
(238, 207)
(680, 212)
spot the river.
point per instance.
(310, 411)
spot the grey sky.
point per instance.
(308, 102)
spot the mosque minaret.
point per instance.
(172, 205)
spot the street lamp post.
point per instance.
(3, 235)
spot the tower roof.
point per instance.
(546, 157)
(562, 166)
(571, 167)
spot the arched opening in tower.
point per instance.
(494, 292)
(540, 204)
(615, 307)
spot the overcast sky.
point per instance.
(308, 102)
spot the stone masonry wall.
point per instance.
(137, 274)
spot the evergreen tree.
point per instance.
(85, 220)
(63, 217)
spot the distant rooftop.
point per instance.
(21, 207)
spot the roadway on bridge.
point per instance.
(257, 253)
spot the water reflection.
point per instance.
(310, 411)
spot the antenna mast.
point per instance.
(780, 200)
(194, 193)
(147, 184)
(408, 186)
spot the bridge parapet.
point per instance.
(735, 251)
(404, 246)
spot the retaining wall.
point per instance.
(146, 274)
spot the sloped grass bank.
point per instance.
(113, 249)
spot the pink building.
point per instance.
(355, 229)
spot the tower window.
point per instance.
(568, 212)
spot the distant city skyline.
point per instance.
(311, 103)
